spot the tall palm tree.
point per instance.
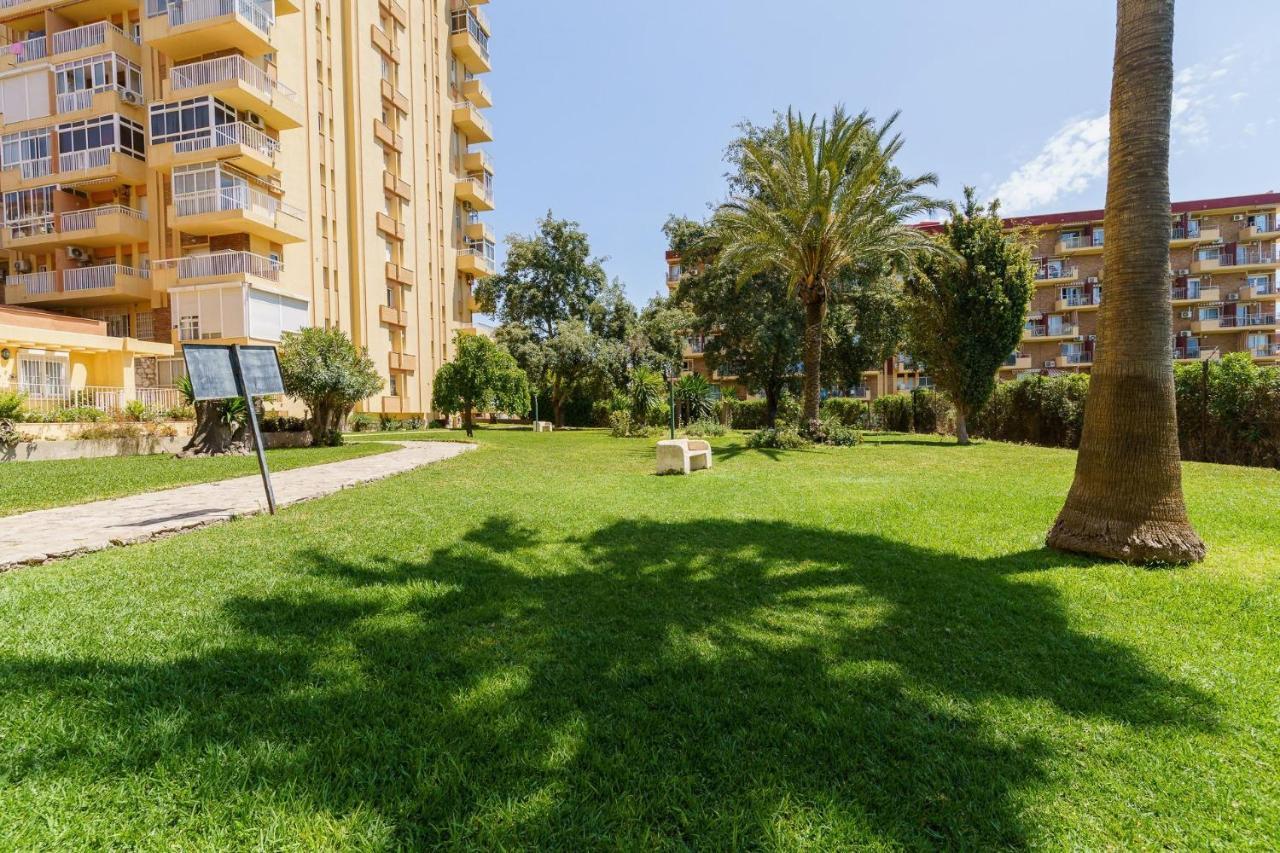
(814, 202)
(1126, 502)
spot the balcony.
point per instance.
(393, 316)
(105, 225)
(93, 40)
(104, 167)
(1017, 361)
(384, 43)
(1079, 245)
(1056, 273)
(188, 28)
(1047, 333)
(1079, 302)
(1259, 290)
(402, 361)
(1252, 320)
(471, 124)
(477, 258)
(216, 267)
(240, 144)
(400, 275)
(1077, 358)
(99, 101)
(1186, 349)
(1245, 257)
(1188, 295)
(1266, 229)
(238, 210)
(238, 82)
(475, 91)
(91, 285)
(475, 190)
(477, 229)
(469, 40)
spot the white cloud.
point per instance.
(1074, 157)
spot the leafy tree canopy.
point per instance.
(330, 374)
(482, 376)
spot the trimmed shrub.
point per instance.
(1045, 410)
(777, 439)
(361, 423)
(705, 428)
(750, 413)
(846, 411)
(893, 413)
(12, 406)
(1239, 422)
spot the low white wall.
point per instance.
(43, 451)
(67, 432)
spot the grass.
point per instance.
(540, 644)
(26, 486)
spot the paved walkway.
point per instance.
(48, 534)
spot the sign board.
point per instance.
(213, 376)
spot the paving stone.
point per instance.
(36, 537)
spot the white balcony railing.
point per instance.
(476, 116)
(79, 161)
(78, 38)
(223, 265)
(466, 21)
(101, 277)
(34, 282)
(33, 226)
(227, 69)
(87, 220)
(235, 133)
(260, 15)
(70, 102)
(30, 49)
(47, 398)
(38, 168)
(241, 198)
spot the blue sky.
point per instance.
(616, 112)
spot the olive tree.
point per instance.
(330, 374)
(483, 376)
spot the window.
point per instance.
(393, 385)
(96, 74)
(112, 131)
(27, 149)
(1097, 235)
(1260, 284)
(43, 374)
(189, 119)
(29, 212)
(1210, 312)
(1259, 345)
(169, 371)
(189, 327)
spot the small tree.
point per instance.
(330, 374)
(646, 391)
(482, 376)
(965, 313)
(695, 396)
(220, 424)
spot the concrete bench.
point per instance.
(682, 455)
(542, 426)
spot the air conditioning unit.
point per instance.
(21, 266)
(1051, 363)
(254, 120)
(76, 253)
(132, 98)
(1093, 279)
(1186, 315)
(1237, 217)
(1080, 338)
(1093, 339)
(1182, 272)
(1233, 297)
(1186, 333)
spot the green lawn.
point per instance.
(542, 644)
(25, 486)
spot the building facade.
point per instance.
(1224, 255)
(231, 170)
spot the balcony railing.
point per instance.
(87, 220)
(235, 133)
(79, 161)
(466, 21)
(223, 264)
(695, 345)
(34, 226)
(47, 398)
(483, 185)
(1242, 321)
(1190, 232)
(225, 70)
(28, 50)
(35, 282)
(1184, 292)
(234, 198)
(36, 168)
(482, 249)
(102, 277)
(1055, 272)
(1080, 300)
(70, 102)
(261, 15)
(1082, 357)
(1079, 241)
(1047, 332)
(90, 35)
(1187, 351)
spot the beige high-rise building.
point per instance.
(230, 170)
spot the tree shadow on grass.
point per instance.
(711, 683)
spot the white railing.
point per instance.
(261, 15)
(223, 264)
(101, 277)
(69, 102)
(476, 116)
(235, 133)
(78, 161)
(49, 398)
(85, 220)
(90, 35)
(1048, 332)
(234, 198)
(482, 186)
(29, 50)
(37, 168)
(224, 70)
(34, 282)
(34, 226)
(466, 21)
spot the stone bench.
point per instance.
(682, 455)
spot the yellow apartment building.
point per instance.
(231, 170)
(1224, 255)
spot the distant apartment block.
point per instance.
(231, 170)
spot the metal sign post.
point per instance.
(218, 372)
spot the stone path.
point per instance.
(47, 534)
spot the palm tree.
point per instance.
(1126, 502)
(814, 202)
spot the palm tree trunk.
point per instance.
(815, 313)
(1126, 502)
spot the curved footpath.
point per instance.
(50, 534)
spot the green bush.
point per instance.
(846, 411)
(622, 425)
(842, 436)
(750, 413)
(180, 413)
(1045, 410)
(361, 423)
(893, 412)
(705, 428)
(931, 412)
(135, 410)
(1239, 422)
(12, 406)
(275, 422)
(777, 439)
(77, 415)
(414, 423)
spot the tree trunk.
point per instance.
(212, 437)
(467, 422)
(1126, 501)
(771, 407)
(962, 426)
(815, 312)
(557, 405)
